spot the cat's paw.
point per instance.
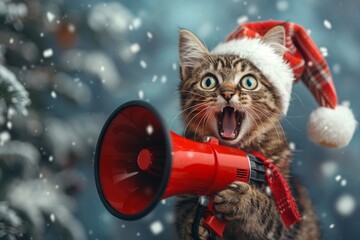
(233, 202)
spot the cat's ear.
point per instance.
(191, 52)
(275, 38)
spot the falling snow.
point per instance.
(332, 226)
(149, 35)
(242, 19)
(143, 64)
(328, 168)
(338, 178)
(135, 48)
(327, 24)
(345, 205)
(336, 68)
(268, 190)
(47, 53)
(343, 182)
(136, 23)
(154, 78)
(4, 137)
(324, 51)
(282, 5)
(163, 79)
(53, 94)
(292, 146)
(50, 16)
(71, 28)
(156, 227)
(52, 217)
(149, 129)
(141, 94)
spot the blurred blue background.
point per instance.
(79, 60)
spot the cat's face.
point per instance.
(224, 96)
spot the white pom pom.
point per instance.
(332, 127)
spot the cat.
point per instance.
(229, 98)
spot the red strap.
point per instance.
(284, 200)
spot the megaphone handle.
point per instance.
(212, 222)
(200, 212)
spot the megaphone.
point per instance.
(139, 161)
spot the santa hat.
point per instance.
(285, 53)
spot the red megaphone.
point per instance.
(138, 162)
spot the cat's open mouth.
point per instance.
(229, 123)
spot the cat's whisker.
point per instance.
(201, 119)
(186, 109)
(272, 115)
(251, 116)
(253, 110)
(185, 130)
(208, 112)
(207, 118)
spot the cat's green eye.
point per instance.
(249, 82)
(208, 83)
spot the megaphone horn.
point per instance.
(138, 162)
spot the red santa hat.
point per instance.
(285, 53)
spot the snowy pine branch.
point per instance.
(12, 93)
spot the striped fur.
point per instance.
(250, 210)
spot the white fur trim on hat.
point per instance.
(332, 127)
(265, 58)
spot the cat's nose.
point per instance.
(227, 95)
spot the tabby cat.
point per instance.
(229, 98)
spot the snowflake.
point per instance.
(141, 94)
(50, 16)
(136, 23)
(242, 19)
(4, 137)
(156, 227)
(52, 217)
(282, 5)
(135, 48)
(149, 129)
(149, 35)
(336, 68)
(53, 94)
(48, 53)
(324, 51)
(143, 64)
(154, 78)
(343, 182)
(328, 168)
(327, 24)
(338, 178)
(163, 79)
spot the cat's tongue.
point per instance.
(229, 123)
